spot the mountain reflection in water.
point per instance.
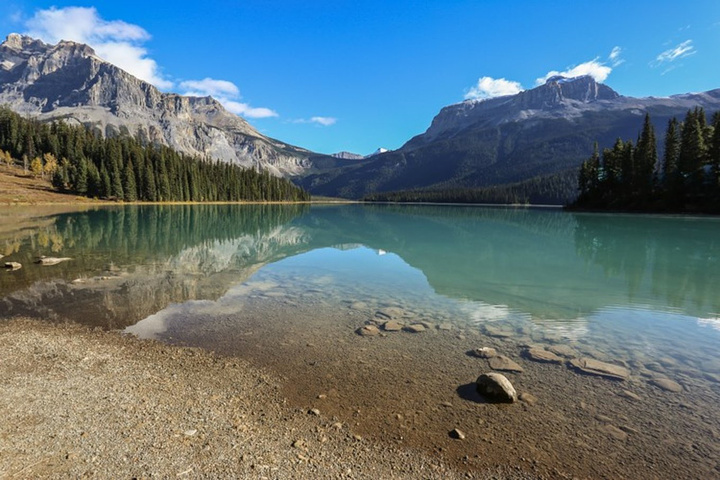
(131, 262)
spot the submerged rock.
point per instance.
(667, 385)
(368, 331)
(415, 328)
(392, 326)
(485, 352)
(497, 387)
(391, 313)
(542, 355)
(504, 364)
(51, 260)
(563, 351)
(497, 332)
(601, 369)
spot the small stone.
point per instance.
(528, 398)
(446, 404)
(496, 386)
(457, 434)
(542, 355)
(13, 265)
(314, 411)
(337, 426)
(485, 352)
(614, 432)
(629, 394)
(445, 326)
(322, 396)
(298, 443)
(392, 326)
(667, 384)
(415, 328)
(504, 364)
(368, 331)
(190, 433)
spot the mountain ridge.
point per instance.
(499, 141)
(69, 81)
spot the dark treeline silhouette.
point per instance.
(632, 176)
(79, 161)
(553, 189)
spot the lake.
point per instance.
(289, 287)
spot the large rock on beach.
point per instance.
(496, 387)
(601, 369)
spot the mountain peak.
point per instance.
(18, 42)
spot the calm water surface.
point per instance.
(642, 291)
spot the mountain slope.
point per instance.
(509, 139)
(68, 81)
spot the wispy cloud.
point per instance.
(118, 42)
(615, 58)
(322, 121)
(488, 87)
(226, 93)
(594, 68)
(683, 50)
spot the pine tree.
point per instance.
(129, 186)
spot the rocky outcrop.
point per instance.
(69, 81)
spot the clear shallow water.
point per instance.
(288, 286)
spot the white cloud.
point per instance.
(118, 42)
(488, 87)
(614, 57)
(685, 49)
(594, 68)
(323, 121)
(210, 86)
(226, 93)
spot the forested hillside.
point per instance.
(632, 176)
(121, 168)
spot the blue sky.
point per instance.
(358, 75)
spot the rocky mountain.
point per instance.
(348, 156)
(69, 81)
(547, 130)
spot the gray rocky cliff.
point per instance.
(69, 81)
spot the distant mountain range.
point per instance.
(356, 156)
(505, 140)
(501, 141)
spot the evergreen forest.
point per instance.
(633, 177)
(83, 163)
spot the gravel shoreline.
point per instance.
(78, 402)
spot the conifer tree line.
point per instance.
(81, 162)
(686, 178)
